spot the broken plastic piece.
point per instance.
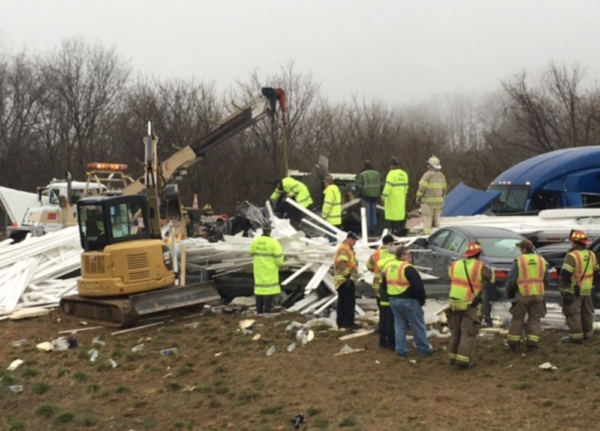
(291, 347)
(245, 324)
(294, 325)
(98, 342)
(15, 364)
(173, 350)
(113, 363)
(346, 349)
(45, 346)
(61, 343)
(547, 366)
(138, 347)
(18, 342)
(93, 355)
(298, 420)
(192, 325)
(16, 388)
(256, 337)
(271, 350)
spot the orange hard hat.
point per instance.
(473, 249)
(578, 236)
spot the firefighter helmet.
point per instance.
(434, 162)
(578, 236)
(473, 249)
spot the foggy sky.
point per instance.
(395, 51)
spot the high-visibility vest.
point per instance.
(394, 194)
(332, 205)
(585, 260)
(461, 295)
(532, 271)
(295, 189)
(368, 183)
(397, 282)
(268, 257)
(344, 253)
(373, 265)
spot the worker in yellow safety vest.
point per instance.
(288, 187)
(576, 281)
(431, 193)
(268, 258)
(394, 197)
(407, 297)
(345, 273)
(527, 281)
(377, 263)
(467, 277)
(332, 203)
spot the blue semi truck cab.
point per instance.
(567, 178)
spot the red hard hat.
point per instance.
(473, 249)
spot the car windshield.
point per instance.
(500, 247)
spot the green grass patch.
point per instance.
(149, 423)
(40, 388)
(214, 403)
(16, 425)
(184, 369)
(123, 390)
(61, 373)
(312, 411)
(6, 378)
(271, 410)
(64, 418)
(30, 372)
(173, 386)
(321, 423)
(92, 388)
(247, 396)
(88, 422)
(46, 410)
(179, 425)
(347, 423)
(80, 376)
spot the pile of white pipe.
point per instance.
(30, 270)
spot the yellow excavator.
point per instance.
(126, 268)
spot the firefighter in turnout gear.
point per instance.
(268, 257)
(377, 263)
(394, 197)
(467, 277)
(332, 203)
(575, 284)
(431, 193)
(345, 273)
(527, 282)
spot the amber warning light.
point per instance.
(108, 166)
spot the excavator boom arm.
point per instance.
(247, 116)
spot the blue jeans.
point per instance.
(371, 208)
(408, 312)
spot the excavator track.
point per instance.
(127, 311)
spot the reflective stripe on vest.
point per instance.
(461, 295)
(397, 283)
(586, 281)
(532, 269)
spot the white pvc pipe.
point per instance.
(363, 225)
(295, 274)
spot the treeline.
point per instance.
(83, 103)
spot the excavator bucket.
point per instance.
(176, 297)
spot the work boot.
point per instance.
(570, 340)
(452, 361)
(512, 347)
(401, 357)
(531, 348)
(431, 352)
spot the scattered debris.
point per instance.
(138, 347)
(192, 325)
(271, 350)
(245, 324)
(347, 350)
(293, 325)
(412, 361)
(547, 366)
(124, 331)
(15, 364)
(74, 331)
(98, 342)
(16, 388)
(26, 313)
(173, 350)
(298, 420)
(18, 342)
(360, 333)
(93, 355)
(113, 363)
(256, 337)
(291, 347)
(45, 346)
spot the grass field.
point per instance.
(222, 379)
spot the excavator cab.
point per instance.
(111, 220)
(120, 255)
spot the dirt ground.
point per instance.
(243, 389)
